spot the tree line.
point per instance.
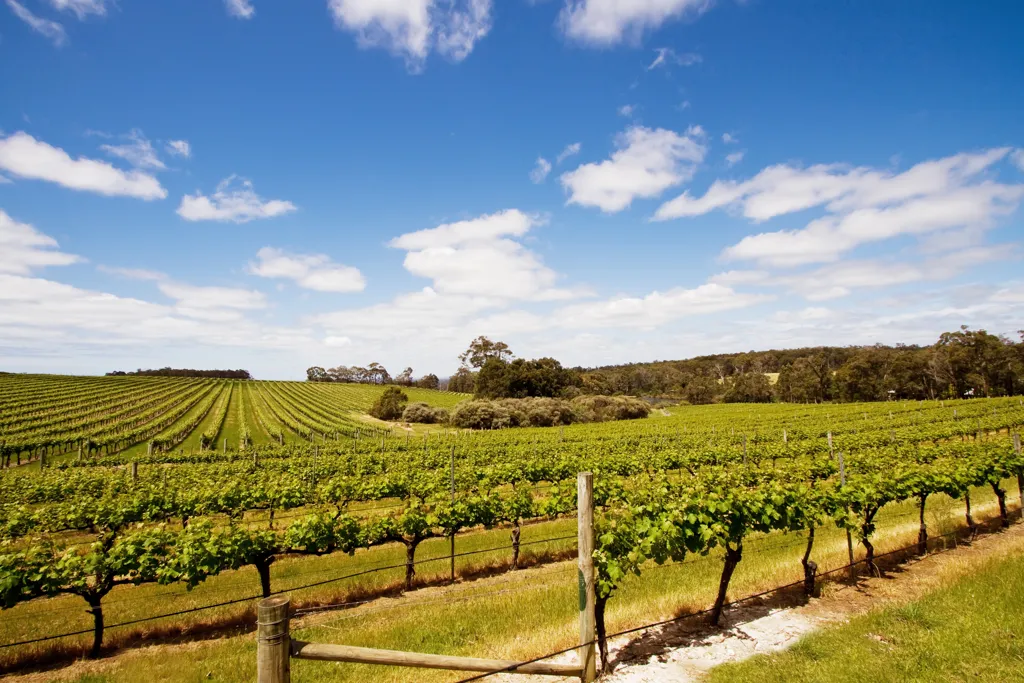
(182, 372)
(959, 364)
(963, 363)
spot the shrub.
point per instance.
(390, 404)
(480, 415)
(608, 408)
(423, 413)
(545, 412)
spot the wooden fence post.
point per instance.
(273, 644)
(135, 470)
(452, 537)
(587, 590)
(849, 537)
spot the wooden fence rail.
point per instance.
(276, 649)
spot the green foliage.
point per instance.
(424, 414)
(390, 405)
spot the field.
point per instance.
(181, 538)
(53, 415)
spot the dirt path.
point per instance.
(682, 652)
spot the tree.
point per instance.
(524, 378)
(405, 378)
(390, 404)
(317, 374)
(750, 387)
(701, 390)
(377, 374)
(463, 381)
(428, 382)
(482, 349)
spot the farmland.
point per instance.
(310, 499)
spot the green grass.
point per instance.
(511, 616)
(969, 631)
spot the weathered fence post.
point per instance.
(849, 537)
(135, 470)
(452, 538)
(587, 589)
(273, 644)
(831, 455)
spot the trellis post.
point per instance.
(587, 588)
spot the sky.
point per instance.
(271, 185)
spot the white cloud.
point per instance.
(1018, 158)
(570, 150)
(242, 9)
(179, 148)
(137, 151)
(81, 8)
(734, 158)
(51, 29)
(843, 278)
(310, 271)
(477, 257)
(666, 56)
(627, 110)
(646, 163)
(24, 156)
(656, 308)
(540, 171)
(191, 297)
(607, 22)
(783, 189)
(862, 205)
(729, 139)
(23, 248)
(412, 28)
(233, 202)
(132, 273)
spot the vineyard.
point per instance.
(134, 510)
(49, 416)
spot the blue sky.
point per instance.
(272, 185)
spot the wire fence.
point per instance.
(706, 612)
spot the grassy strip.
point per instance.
(970, 630)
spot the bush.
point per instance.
(480, 415)
(390, 404)
(423, 413)
(608, 408)
(545, 412)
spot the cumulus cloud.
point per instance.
(734, 158)
(479, 257)
(627, 110)
(607, 22)
(729, 139)
(234, 201)
(310, 271)
(24, 156)
(656, 308)
(569, 151)
(179, 148)
(540, 171)
(23, 248)
(666, 56)
(137, 150)
(241, 9)
(646, 163)
(412, 28)
(862, 205)
(843, 278)
(45, 27)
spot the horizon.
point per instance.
(246, 184)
